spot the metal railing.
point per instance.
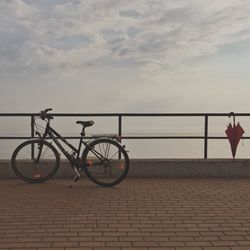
(120, 116)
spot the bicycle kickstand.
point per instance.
(76, 177)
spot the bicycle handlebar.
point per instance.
(44, 115)
(46, 110)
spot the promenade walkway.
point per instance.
(138, 214)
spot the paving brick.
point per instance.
(85, 234)
(79, 238)
(171, 244)
(244, 243)
(198, 243)
(76, 248)
(117, 244)
(92, 244)
(107, 248)
(189, 248)
(38, 244)
(190, 234)
(181, 238)
(165, 214)
(212, 233)
(28, 239)
(11, 245)
(239, 248)
(234, 233)
(52, 239)
(67, 234)
(136, 248)
(217, 248)
(232, 237)
(8, 240)
(139, 234)
(223, 243)
(206, 238)
(53, 248)
(157, 248)
(65, 244)
(105, 238)
(131, 238)
(145, 244)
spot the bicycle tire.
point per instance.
(43, 169)
(119, 167)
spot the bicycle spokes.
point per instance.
(106, 162)
(35, 161)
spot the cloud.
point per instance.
(16, 8)
(129, 13)
(59, 34)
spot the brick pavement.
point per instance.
(151, 214)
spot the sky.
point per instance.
(125, 55)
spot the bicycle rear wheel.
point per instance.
(105, 162)
(35, 161)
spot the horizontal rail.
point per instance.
(119, 116)
(123, 137)
(126, 114)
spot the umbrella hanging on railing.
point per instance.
(234, 134)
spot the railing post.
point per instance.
(32, 135)
(205, 136)
(120, 126)
(120, 132)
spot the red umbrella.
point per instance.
(234, 134)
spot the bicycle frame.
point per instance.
(55, 136)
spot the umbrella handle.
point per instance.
(232, 114)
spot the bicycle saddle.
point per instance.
(85, 124)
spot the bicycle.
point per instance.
(104, 160)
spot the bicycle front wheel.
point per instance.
(35, 161)
(105, 162)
